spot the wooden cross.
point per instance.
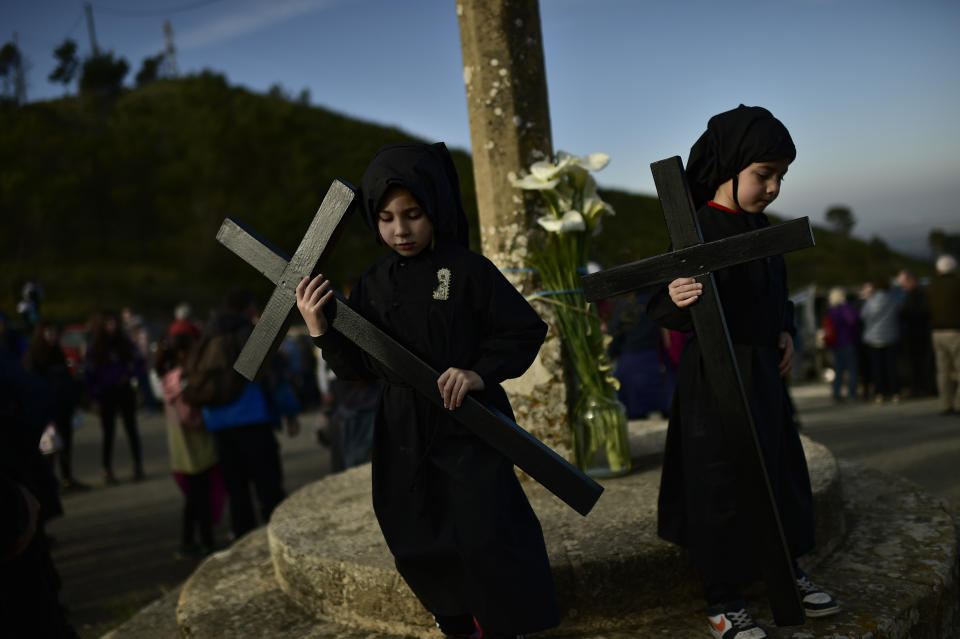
(535, 458)
(692, 257)
(279, 311)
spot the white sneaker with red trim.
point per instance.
(735, 624)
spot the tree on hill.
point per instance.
(942, 242)
(67, 63)
(13, 74)
(103, 75)
(841, 219)
(150, 69)
(277, 92)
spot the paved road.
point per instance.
(909, 439)
(116, 545)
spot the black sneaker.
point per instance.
(816, 601)
(458, 627)
(734, 624)
(460, 623)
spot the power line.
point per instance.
(90, 29)
(76, 23)
(155, 12)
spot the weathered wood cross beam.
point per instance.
(530, 454)
(692, 257)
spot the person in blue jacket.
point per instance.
(243, 429)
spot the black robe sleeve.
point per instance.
(15, 517)
(513, 330)
(662, 311)
(347, 359)
(789, 321)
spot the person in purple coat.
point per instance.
(112, 363)
(846, 334)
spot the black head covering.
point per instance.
(427, 171)
(733, 140)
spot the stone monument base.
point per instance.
(320, 570)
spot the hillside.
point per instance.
(120, 206)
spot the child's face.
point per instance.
(759, 185)
(403, 225)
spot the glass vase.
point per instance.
(600, 436)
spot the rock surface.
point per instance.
(610, 568)
(888, 552)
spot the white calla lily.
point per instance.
(569, 191)
(576, 176)
(594, 161)
(543, 170)
(571, 221)
(549, 170)
(575, 211)
(564, 199)
(594, 206)
(533, 183)
(590, 189)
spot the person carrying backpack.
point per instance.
(241, 415)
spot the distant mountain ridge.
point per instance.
(120, 206)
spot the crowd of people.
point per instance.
(896, 339)
(220, 428)
(128, 367)
(889, 339)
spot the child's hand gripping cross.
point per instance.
(454, 384)
(313, 295)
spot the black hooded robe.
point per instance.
(450, 507)
(700, 506)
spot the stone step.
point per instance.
(156, 620)
(894, 573)
(609, 569)
(233, 594)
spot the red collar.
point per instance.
(720, 207)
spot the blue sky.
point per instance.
(868, 88)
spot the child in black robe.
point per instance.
(738, 165)
(450, 507)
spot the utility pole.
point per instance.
(90, 29)
(19, 75)
(170, 53)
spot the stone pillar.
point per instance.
(506, 89)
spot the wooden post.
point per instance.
(506, 87)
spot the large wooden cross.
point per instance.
(535, 458)
(692, 257)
